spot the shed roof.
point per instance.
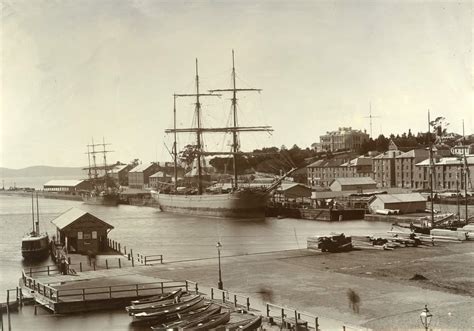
(358, 161)
(119, 167)
(159, 174)
(72, 215)
(397, 198)
(141, 167)
(354, 181)
(286, 186)
(63, 182)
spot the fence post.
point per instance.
(125, 250)
(93, 264)
(110, 292)
(187, 289)
(223, 296)
(268, 310)
(119, 248)
(120, 263)
(282, 315)
(162, 289)
(197, 289)
(106, 264)
(80, 266)
(83, 294)
(296, 320)
(69, 259)
(136, 288)
(131, 255)
(212, 293)
(343, 328)
(316, 324)
(133, 262)
(48, 270)
(235, 300)
(248, 303)
(145, 259)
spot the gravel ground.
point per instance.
(317, 283)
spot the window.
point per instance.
(94, 234)
(79, 235)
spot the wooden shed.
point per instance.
(81, 232)
(404, 203)
(352, 184)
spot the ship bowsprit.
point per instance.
(241, 204)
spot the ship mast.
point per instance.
(466, 170)
(235, 140)
(175, 150)
(91, 150)
(37, 215)
(431, 168)
(33, 210)
(197, 130)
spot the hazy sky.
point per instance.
(73, 70)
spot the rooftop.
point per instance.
(63, 182)
(142, 167)
(402, 197)
(70, 216)
(354, 181)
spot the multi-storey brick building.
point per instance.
(384, 166)
(448, 173)
(405, 167)
(323, 172)
(344, 138)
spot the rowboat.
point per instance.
(213, 322)
(247, 325)
(171, 312)
(199, 316)
(156, 298)
(152, 306)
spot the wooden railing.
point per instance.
(292, 316)
(45, 290)
(238, 300)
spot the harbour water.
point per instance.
(149, 231)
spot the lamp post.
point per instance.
(425, 318)
(219, 284)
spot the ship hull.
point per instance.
(35, 248)
(236, 205)
(106, 200)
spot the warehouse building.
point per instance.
(404, 203)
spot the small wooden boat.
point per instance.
(247, 325)
(198, 316)
(154, 306)
(160, 297)
(170, 313)
(212, 323)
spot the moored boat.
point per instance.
(155, 298)
(239, 202)
(35, 245)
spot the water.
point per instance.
(149, 231)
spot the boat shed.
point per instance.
(358, 184)
(66, 185)
(404, 203)
(81, 232)
(292, 191)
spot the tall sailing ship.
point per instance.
(239, 202)
(104, 191)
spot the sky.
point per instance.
(73, 71)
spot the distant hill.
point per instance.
(42, 171)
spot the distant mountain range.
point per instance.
(42, 171)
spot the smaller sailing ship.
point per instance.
(104, 191)
(35, 245)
